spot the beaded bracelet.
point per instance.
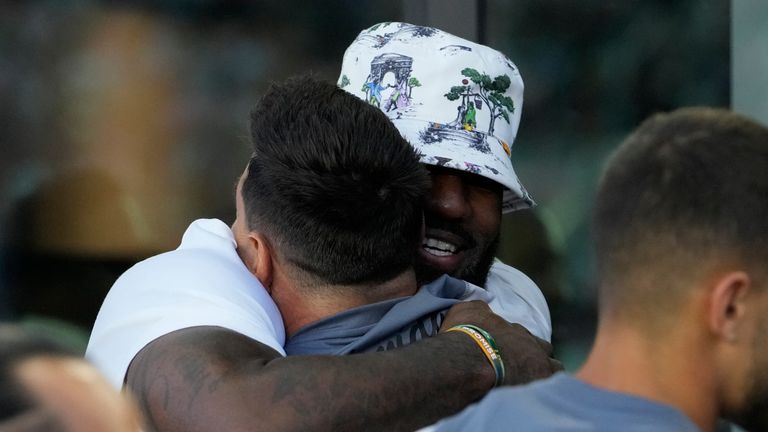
(486, 342)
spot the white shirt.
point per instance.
(204, 283)
(517, 299)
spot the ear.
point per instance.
(727, 306)
(261, 261)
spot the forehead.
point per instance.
(466, 177)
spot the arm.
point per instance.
(526, 357)
(212, 379)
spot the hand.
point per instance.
(526, 357)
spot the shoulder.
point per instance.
(202, 283)
(205, 268)
(505, 277)
(518, 299)
(564, 403)
(509, 408)
(185, 379)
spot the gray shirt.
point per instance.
(384, 325)
(564, 403)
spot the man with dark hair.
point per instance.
(338, 221)
(680, 238)
(337, 214)
(329, 214)
(44, 387)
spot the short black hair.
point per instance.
(685, 190)
(333, 184)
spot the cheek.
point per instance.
(237, 228)
(486, 209)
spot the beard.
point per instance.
(479, 253)
(753, 417)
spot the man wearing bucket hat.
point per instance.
(321, 254)
(459, 104)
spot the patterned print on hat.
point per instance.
(457, 102)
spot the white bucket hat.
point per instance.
(457, 102)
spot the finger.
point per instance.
(546, 346)
(556, 365)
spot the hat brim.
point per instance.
(470, 151)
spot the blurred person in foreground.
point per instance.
(47, 388)
(319, 261)
(680, 225)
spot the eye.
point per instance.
(474, 183)
(484, 183)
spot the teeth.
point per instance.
(439, 247)
(437, 252)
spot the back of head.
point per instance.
(333, 184)
(685, 193)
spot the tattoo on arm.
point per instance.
(211, 379)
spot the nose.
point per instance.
(448, 197)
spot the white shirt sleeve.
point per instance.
(517, 299)
(203, 283)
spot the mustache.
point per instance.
(452, 227)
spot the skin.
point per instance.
(74, 394)
(716, 346)
(212, 379)
(463, 210)
(751, 411)
(298, 306)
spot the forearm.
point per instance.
(396, 390)
(403, 389)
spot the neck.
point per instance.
(662, 367)
(301, 306)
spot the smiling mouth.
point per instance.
(439, 247)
